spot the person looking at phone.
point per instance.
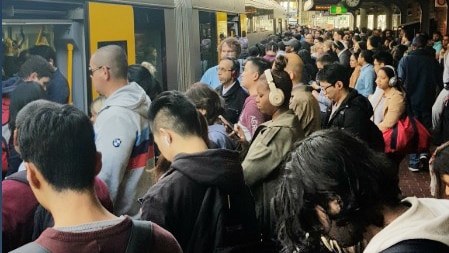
(210, 105)
(251, 117)
(271, 142)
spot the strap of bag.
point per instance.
(20, 176)
(140, 238)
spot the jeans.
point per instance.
(425, 117)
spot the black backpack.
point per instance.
(226, 222)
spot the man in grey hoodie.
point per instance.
(122, 133)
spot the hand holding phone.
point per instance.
(229, 127)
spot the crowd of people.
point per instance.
(278, 148)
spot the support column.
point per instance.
(375, 21)
(425, 16)
(363, 18)
(389, 17)
(184, 28)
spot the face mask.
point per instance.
(270, 58)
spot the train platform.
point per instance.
(414, 183)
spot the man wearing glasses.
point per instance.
(350, 110)
(230, 90)
(122, 133)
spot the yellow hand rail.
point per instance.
(70, 70)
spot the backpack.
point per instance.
(7, 87)
(5, 156)
(226, 223)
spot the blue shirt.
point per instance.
(365, 82)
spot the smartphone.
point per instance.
(228, 125)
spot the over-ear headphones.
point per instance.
(276, 96)
(393, 80)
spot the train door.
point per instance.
(149, 34)
(111, 24)
(64, 36)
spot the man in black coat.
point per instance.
(350, 110)
(178, 201)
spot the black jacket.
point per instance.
(353, 116)
(174, 202)
(234, 101)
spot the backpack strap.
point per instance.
(20, 176)
(31, 247)
(141, 237)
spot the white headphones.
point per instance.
(167, 140)
(276, 96)
(393, 80)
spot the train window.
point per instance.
(16, 39)
(150, 41)
(208, 40)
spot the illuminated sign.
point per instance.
(322, 7)
(335, 9)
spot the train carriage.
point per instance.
(179, 38)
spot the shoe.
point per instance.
(423, 163)
(413, 169)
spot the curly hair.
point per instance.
(331, 164)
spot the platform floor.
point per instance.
(414, 183)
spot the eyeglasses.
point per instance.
(325, 88)
(92, 70)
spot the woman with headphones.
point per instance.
(391, 105)
(271, 142)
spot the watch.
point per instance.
(352, 3)
(308, 5)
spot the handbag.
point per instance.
(407, 136)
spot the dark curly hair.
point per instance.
(327, 164)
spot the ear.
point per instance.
(98, 163)
(166, 135)
(339, 85)
(32, 77)
(15, 140)
(202, 111)
(52, 62)
(256, 76)
(291, 75)
(33, 176)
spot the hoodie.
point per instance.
(425, 219)
(174, 202)
(123, 137)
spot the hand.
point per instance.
(238, 131)
(315, 86)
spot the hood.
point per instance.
(213, 167)
(425, 219)
(130, 96)
(355, 99)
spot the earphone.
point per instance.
(167, 140)
(276, 96)
(393, 80)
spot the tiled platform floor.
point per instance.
(413, 183)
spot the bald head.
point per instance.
(295, 67)
(114, 58)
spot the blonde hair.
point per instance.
(96, 105)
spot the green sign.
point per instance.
(335, 9)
